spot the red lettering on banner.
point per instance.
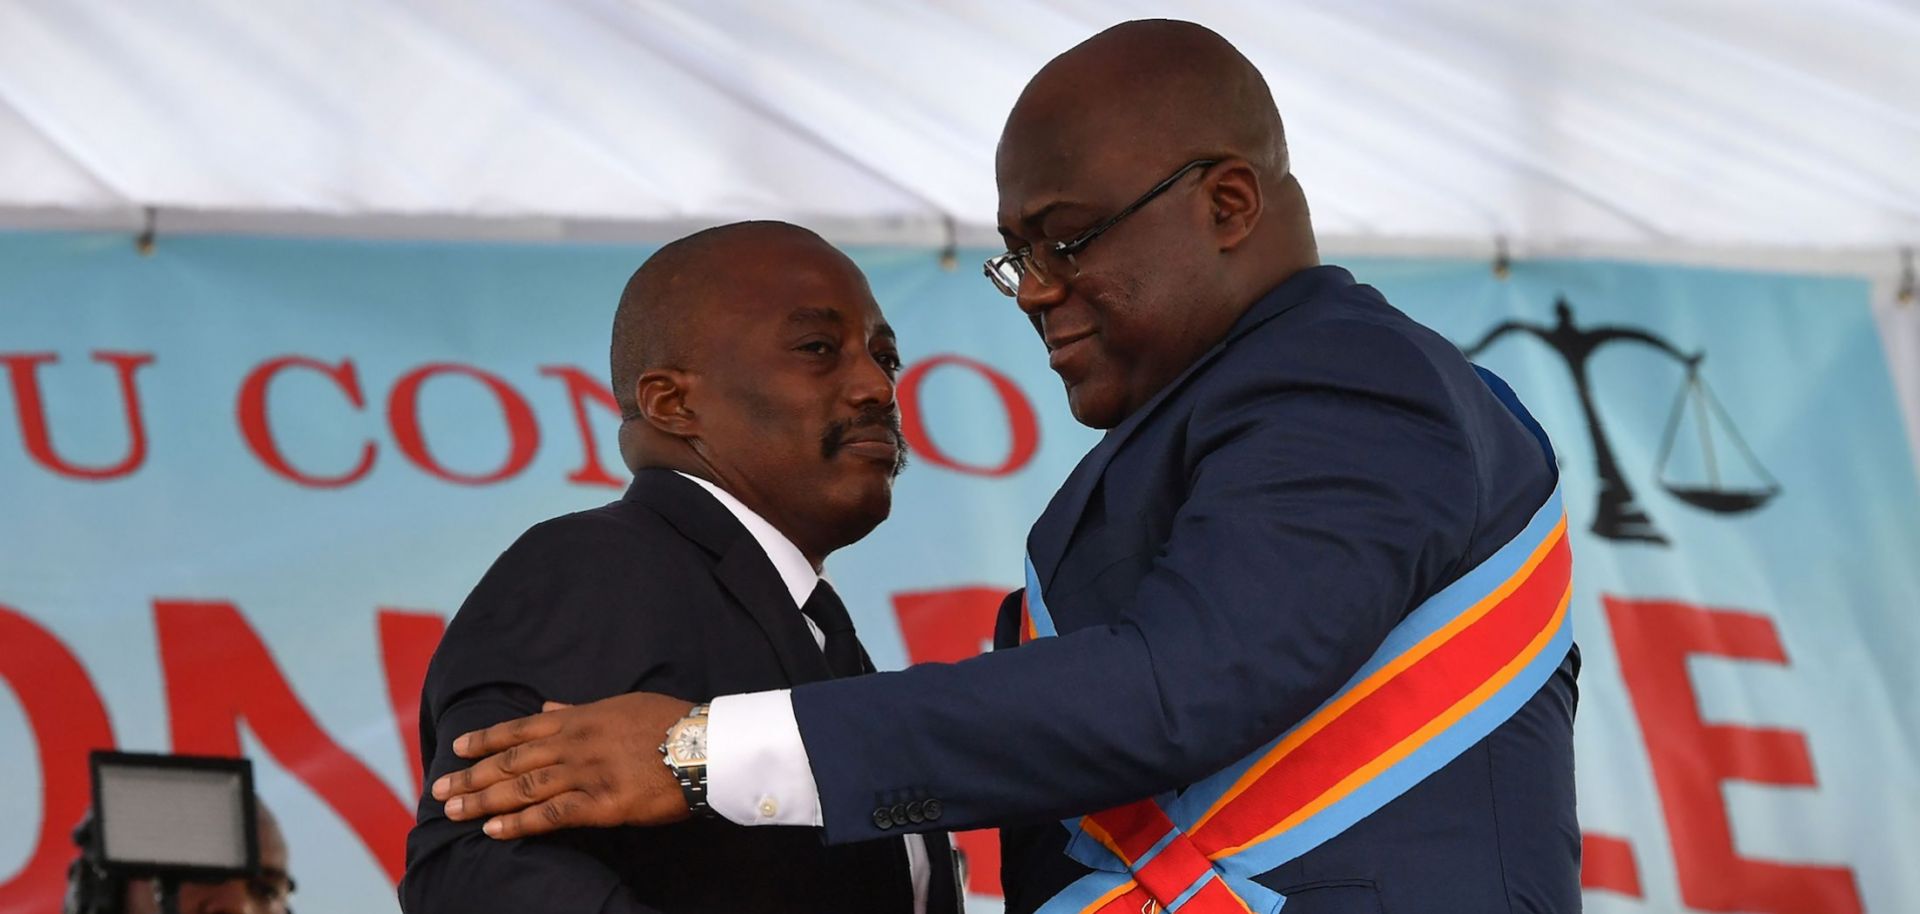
(407, 640)
(1023, 426)
(68, 721)
(942, 626)
(252, 412)
(22, 368)
(218, 673)
(1607, 863)
(1692, 758)
(581, 390)
(403, 413)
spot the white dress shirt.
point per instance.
(757, 767)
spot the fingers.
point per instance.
(576, 808)
(522, 791)
(487, 772)
(568, 767)
(571, 809)
(554, 706)
(500, 737)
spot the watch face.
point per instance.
(687, 744)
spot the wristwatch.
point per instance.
(685, 751)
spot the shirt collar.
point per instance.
(795, 571)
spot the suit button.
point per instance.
(882, 819)
(931, 810)
(916, 812)
(898, 813)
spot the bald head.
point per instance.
(1157, 88)
(755, 357)
(1166, 126)
(654, 326)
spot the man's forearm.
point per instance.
(1042, 752)
(453, 867)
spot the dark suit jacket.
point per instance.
(661, 591)
(1218, 566)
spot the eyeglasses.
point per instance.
(1055, 259)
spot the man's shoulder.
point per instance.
(588, 562)
(620, 535)
(578, 607)
(1346, 338)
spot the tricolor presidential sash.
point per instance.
(1452, 671)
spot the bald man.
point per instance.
(756, 376)
(1293, 633)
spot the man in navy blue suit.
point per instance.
(1301, 489)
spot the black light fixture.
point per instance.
(174, 818)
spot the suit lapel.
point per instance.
(747, 573)
(743, 568)
(1048, 539)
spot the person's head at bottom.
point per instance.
(265, 892)
(754, 355)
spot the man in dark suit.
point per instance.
(1294, 473)
(756, 374)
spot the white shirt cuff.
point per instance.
(757, 767)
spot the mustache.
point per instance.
(885, 417)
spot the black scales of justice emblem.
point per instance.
(1619, 515)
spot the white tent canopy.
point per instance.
(1655, 126)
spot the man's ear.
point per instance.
(1233, 191)
(662, 396)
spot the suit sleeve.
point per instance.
(553, 619)
(1325, 496)
(453, 867)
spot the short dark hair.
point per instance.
(650, 325)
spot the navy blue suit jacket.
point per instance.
(1220, 564)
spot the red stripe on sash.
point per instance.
(1215, 896)
(1398, 710)
(1129, 830)
(1131, 898)
(1170, 872)
(1374, 725)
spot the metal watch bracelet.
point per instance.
(692, 778)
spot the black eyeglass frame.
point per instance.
(1023, 259)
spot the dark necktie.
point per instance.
(845, 657)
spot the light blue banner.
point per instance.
(1745, 599)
